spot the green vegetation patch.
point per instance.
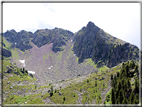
(36, 101)
(68, 96)
(108, 97)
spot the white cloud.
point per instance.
(121, 20)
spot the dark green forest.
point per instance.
(122, 91)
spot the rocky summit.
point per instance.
(104, 49)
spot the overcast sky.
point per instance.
(121, 20)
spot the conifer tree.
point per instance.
(120, 96)
(123, 65)
(111, 76)
(132, 97)
(51, 93)
(136, 100)
(136, 86)
(119, 86)
(128, 83)
(96, 83)
(133, 64)
(117, 74)
(136, 69)
(127, 70)
(125, 101)
(113, 96)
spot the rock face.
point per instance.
(6, 53)
(57, 36)
(104, 49)
(41, 37)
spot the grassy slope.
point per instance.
(91, 93)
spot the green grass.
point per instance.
(104, 68)
(91, 63)
(45, 95)
(8, 44)
(68, 94)
(22, 99)
(45, 57)
(36, 101)
(108, 97)
(15, 53)
(59, 56)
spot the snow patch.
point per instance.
(50, 67)
(31, 72)
(22, 61)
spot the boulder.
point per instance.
(9, 70)
(11, 87)
(48, 91)
(8, 82)
(60, 93)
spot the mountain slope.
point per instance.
(104, 49)
(57, 54)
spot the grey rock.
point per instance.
(8, 82)
(48, 91)
(11, 87)
(60, 93)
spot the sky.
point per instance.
(121, 20)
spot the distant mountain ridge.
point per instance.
(41, 37)
(89, 42)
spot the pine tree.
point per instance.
(123, 65)
(133, 64)
(132, 97)
(128, 83)
(112, 83)
(87, 81)
(120, 96)
(136, 100)
(113, 96)
(119, 86)
(117, 74)
(64, 99)
(111, 76)
(51, 92)
(127, 70)
(95, 83)
(136, 69)
(125, 101)
(136, 86)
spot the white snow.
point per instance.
(15, 43)
(22, 61)
(50, 67)
(31, 72)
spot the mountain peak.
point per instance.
(90, 24)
